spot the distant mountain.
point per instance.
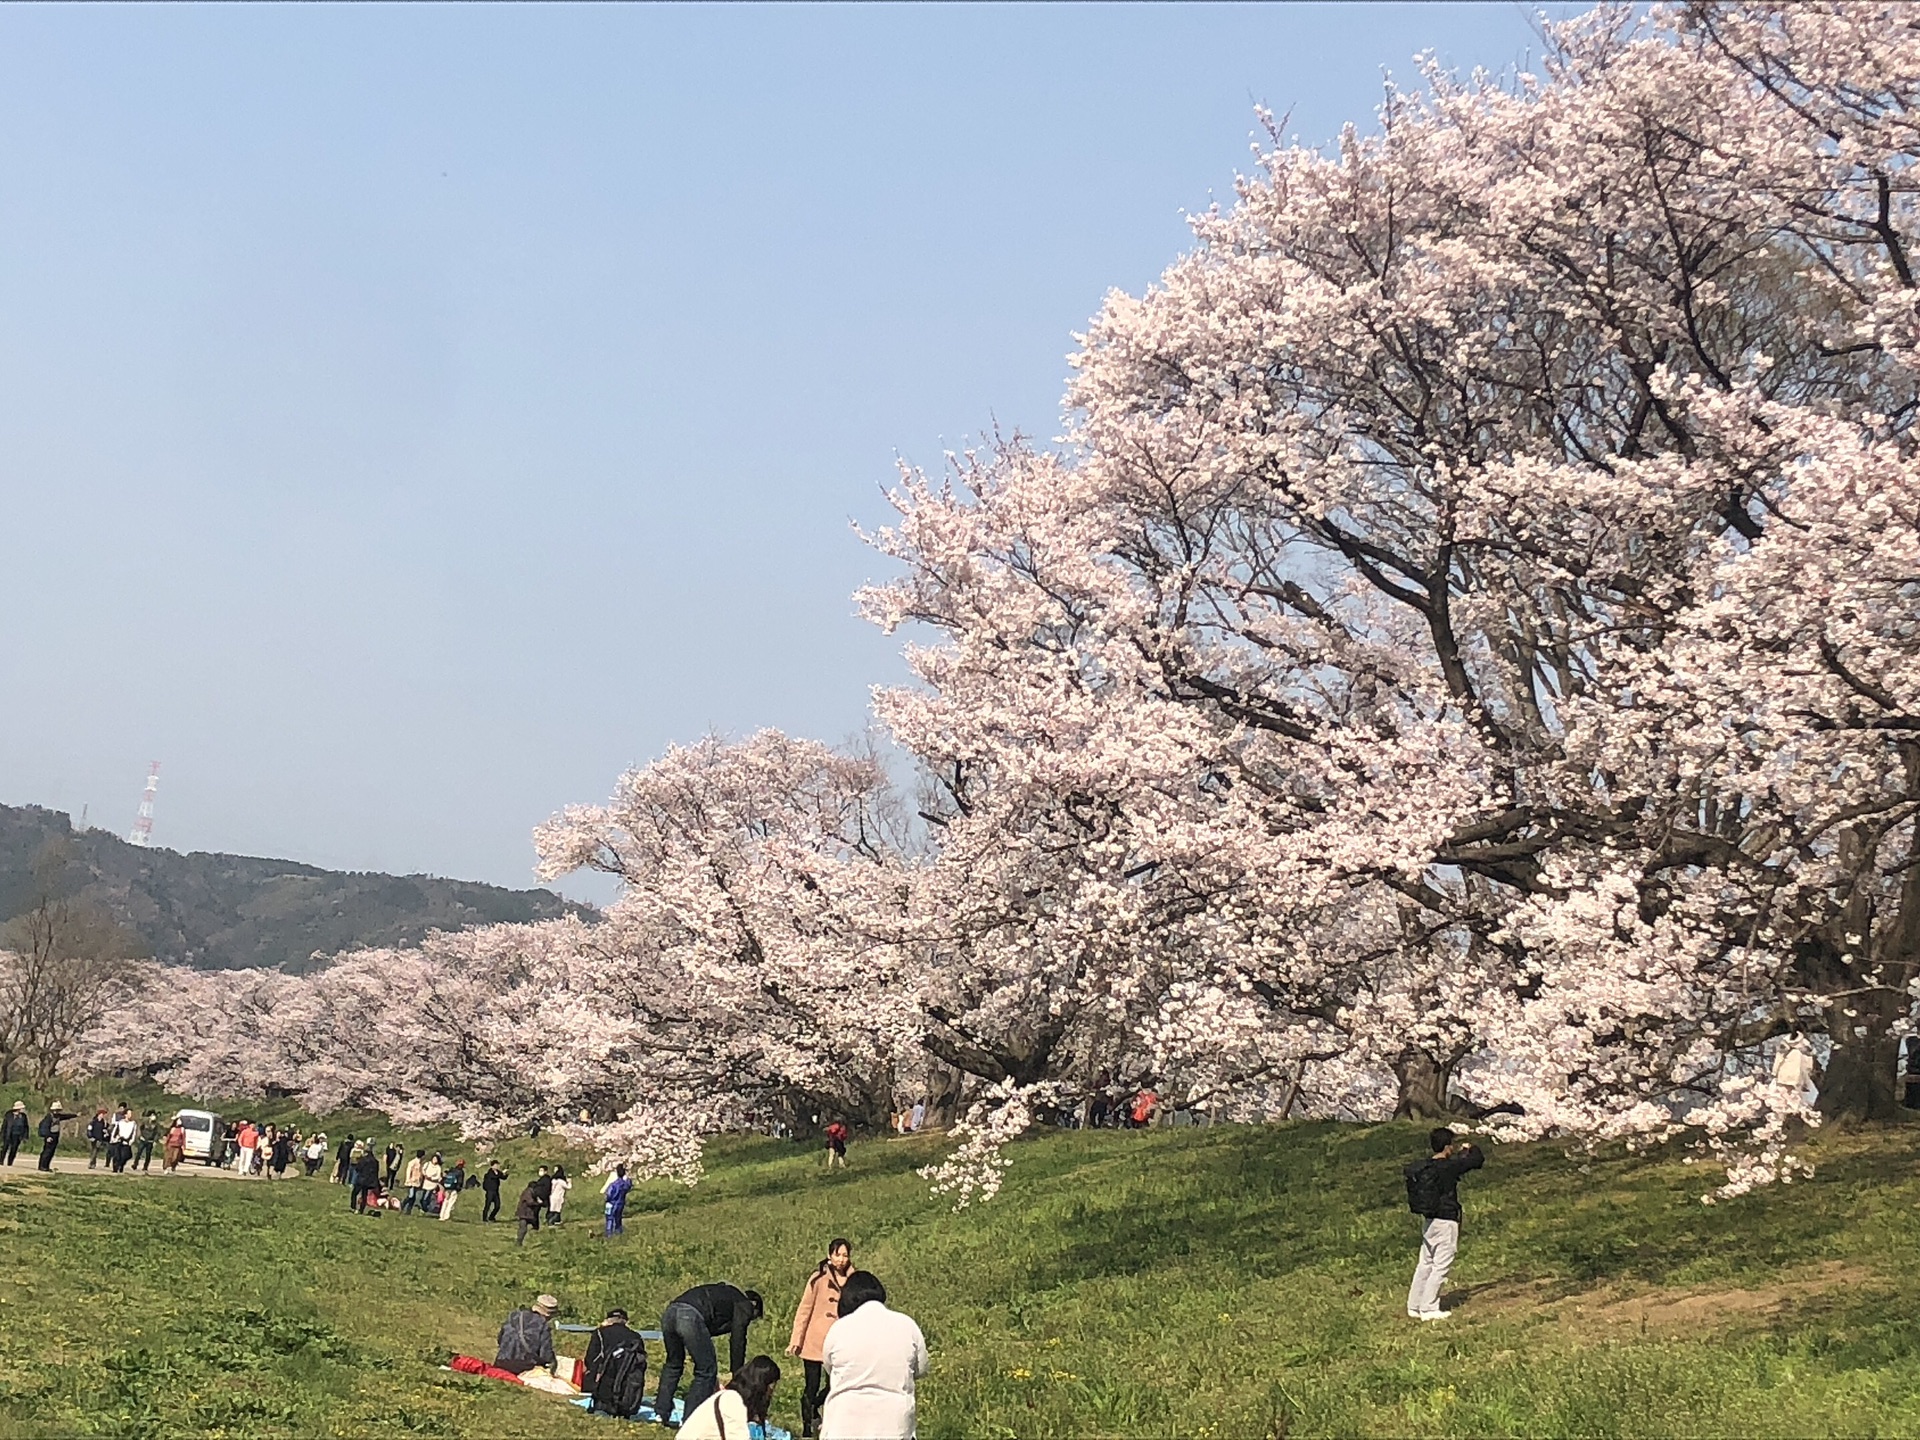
(219, 912)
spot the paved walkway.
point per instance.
(73, 1161)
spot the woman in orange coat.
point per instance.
(819, 1308)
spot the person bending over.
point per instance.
(688, 1327)
(1433, 1192)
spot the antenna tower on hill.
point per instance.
(142, 832)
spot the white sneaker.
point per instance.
(1435, 1315)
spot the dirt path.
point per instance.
(1673, 1311)
(74, 1162)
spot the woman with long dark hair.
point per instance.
(819, 1308)
(726, 1414)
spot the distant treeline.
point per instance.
(217, 912)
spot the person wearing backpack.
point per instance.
(1432, 1192)
(616, 1368)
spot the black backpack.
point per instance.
(1423, 1187)
(622, 1383)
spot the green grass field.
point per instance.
(1227, 1282)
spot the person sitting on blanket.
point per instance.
(526, 1340)
(616, 1367)
(745, 1401)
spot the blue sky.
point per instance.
(414, 416)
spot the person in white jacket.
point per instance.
(725, 1414)
(873, 1357)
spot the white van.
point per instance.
(203, 1134)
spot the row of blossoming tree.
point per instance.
(1464, 656)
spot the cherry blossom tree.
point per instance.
(1461, 659)
(1493, 545)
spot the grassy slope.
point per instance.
(1232, 1282)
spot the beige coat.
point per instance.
(819, 1308)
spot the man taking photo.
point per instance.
(1432, 1192)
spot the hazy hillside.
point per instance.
(221, 911)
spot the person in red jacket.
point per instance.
(836, 1144)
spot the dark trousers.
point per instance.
(813, 1397)
(491, 1210)
(358, 1199)
(94, 1147)
(46, 1152)
(143, 1155)
(117, 1154)
(684, 1332)
(9, 1148)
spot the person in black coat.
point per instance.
(490, 1187)
(688, 1327)
(527, 1212)
(366, 1179)
(1433, 1192)
(14, 1131)
(50, 1137)
(616, 1367)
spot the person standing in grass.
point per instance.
(14, 1135)
(1433, 1192)
(393, 1157)
(416, 1170)
(342, 1157)
(819, 1308)
(746, 1400)
(366, 1180)
(527, 1212)
(490, 1187)
(688, 1327)
(430, 1176)
(557, 1194)
(615, 1193)
(873, 1357)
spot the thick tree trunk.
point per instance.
(1859, 1085)
(1423, 1088)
